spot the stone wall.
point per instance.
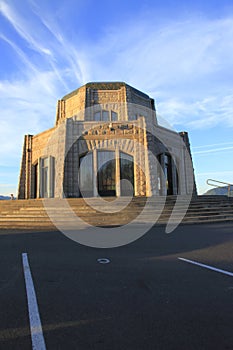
(83, 102)
(136, 133)
(25, 170)
(126, 137)
(165, 141)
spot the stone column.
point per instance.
(136, 167)
(162, 178)
(118, 176)
(95, 171)
(174, 176)
(28, 166)
(51, 177)
(182, 173)
(39, 180)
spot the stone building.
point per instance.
(106, 142)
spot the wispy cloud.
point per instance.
(215, 173)
(28, 101)
(200, 114)
(213, 144)
(21, 26)
(59, 54)
(186, 66)
(214, 150)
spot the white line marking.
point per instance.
(38, 342)
(207, 267)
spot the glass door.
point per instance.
(86, 175)
(106, 173)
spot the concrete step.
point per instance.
(130, 212)
(32, 214)
(45, 226)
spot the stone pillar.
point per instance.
(162, 177)
(174, 176)
(28, 166)
(95, 172)
(147, 166)
(118, 176)
(189, 170)
(39, 187)
(136, 168)
(182, 172)
(51, 177)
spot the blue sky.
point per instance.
(178, 52)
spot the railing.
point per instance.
(229, 192)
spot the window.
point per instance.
(105, 116)
(104, 169)
(44, 178)
(106, 173)
(114, 116)
(47, 173)
(127, 174)
(86, 175)
(133, 117)
(97, 116)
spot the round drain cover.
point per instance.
(103, 260)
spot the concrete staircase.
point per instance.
(31, 214)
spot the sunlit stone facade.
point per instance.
(106, 142)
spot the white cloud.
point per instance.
(186, 66)
(215, 173)
(214, 150)
(213, 144)
(28, 100)
(59, 55)
(200, 114)
(26, 108)
(21, 26)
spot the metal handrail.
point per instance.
(220, 182)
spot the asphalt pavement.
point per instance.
(143, 298)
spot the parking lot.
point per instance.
(164, 291)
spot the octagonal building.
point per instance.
(106, 142)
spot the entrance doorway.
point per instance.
(99, 174)
(168, 173)
(165, 161)
(106, 173)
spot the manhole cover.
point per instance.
(103, 261)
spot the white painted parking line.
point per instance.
(207, 267)
(38, 342)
